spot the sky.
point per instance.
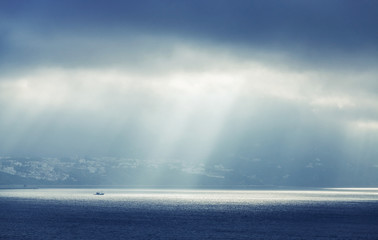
(209, 81)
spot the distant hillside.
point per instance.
(137, 172)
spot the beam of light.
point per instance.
(201, 103)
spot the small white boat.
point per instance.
(99, 193)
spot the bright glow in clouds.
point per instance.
(367, 125)
(93, 88)
(173, 112)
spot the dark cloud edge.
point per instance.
(340, 34)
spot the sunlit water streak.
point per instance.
(252, 197)
(189, 214)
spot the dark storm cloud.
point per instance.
(333, 23)
(310, 30)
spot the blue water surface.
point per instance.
(188, 214)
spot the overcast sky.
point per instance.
(190, 80)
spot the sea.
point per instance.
(189, 214)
